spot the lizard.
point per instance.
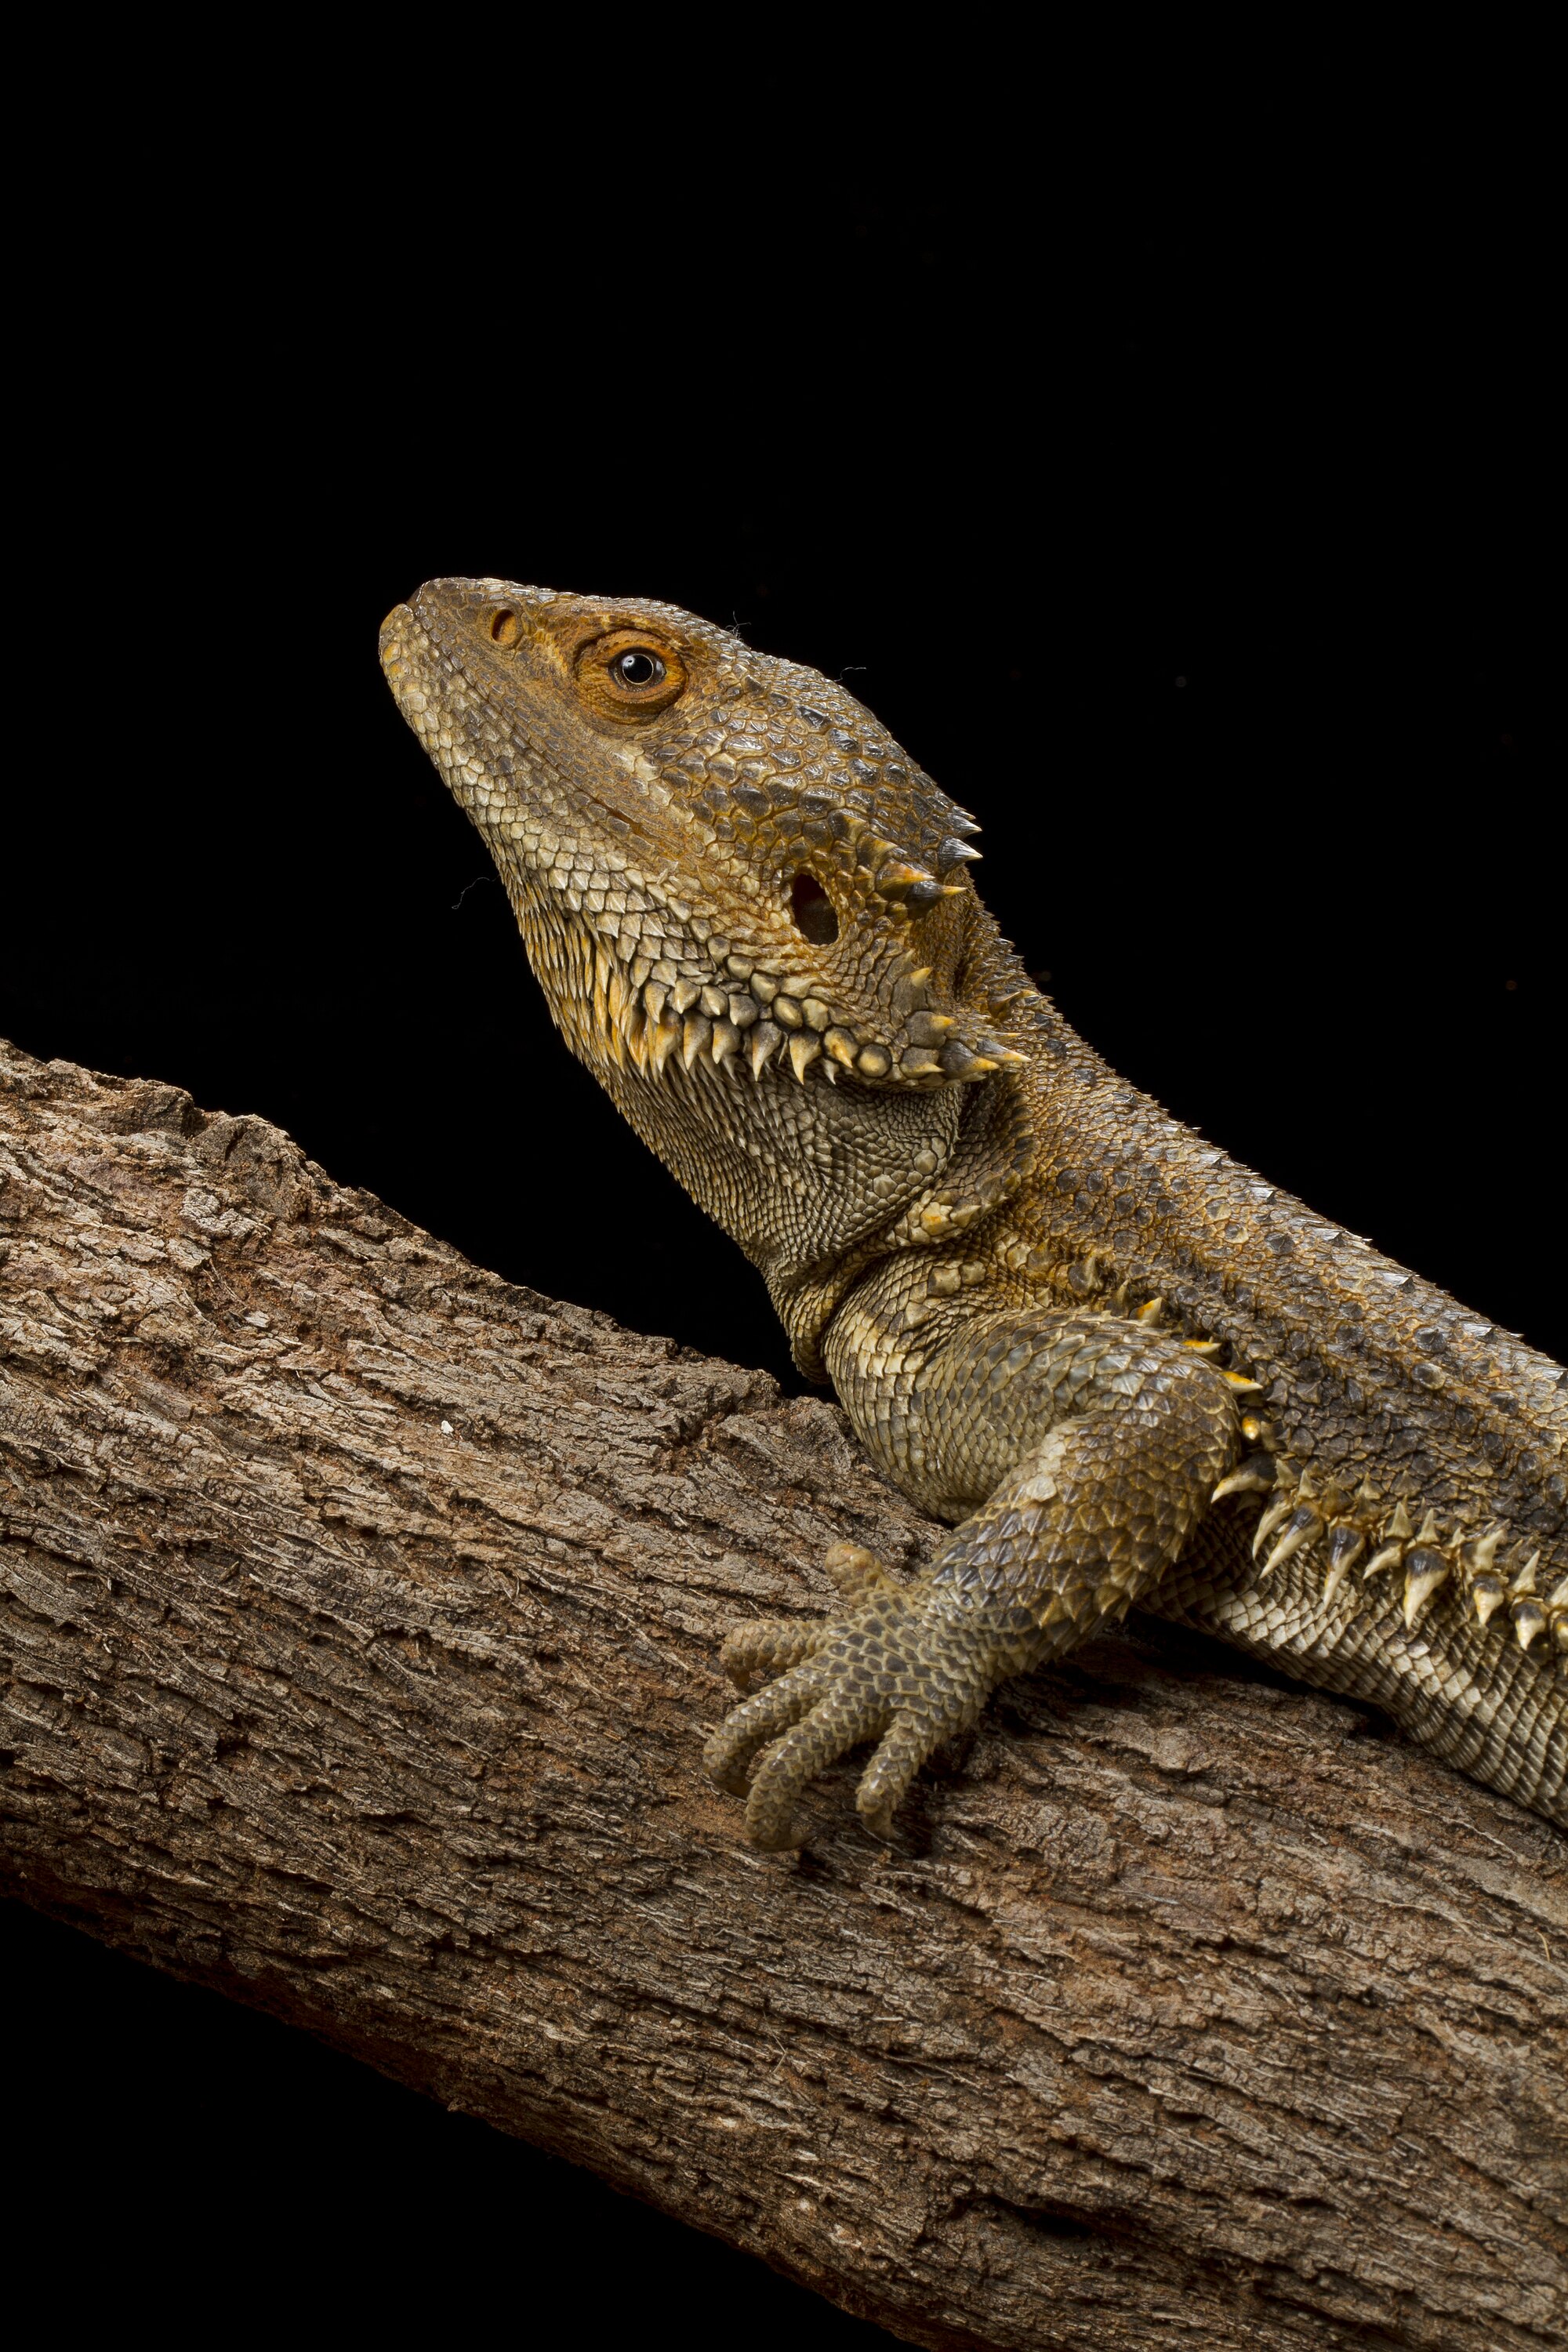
(1120, 1368)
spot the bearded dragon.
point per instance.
(1119, 1367)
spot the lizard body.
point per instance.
(1120, 1366)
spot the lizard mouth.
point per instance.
(637, 975)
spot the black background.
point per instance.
(1196, 548)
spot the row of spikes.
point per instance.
(1298, 1522)
(705, 1023)
(700, 1017)
(1151, 1313)
(1083, 1278)
(902, 884)
(893, 875)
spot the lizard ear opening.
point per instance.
(812, 911)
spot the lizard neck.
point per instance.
(959, 1206)
(808, 1180)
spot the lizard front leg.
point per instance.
(1113, 1440)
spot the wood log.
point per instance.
(359, 1622)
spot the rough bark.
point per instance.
(359, 1613)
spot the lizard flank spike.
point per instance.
(1478, 1556)
(1525, 1581)
(1304, 1526)
(1346, 1545)
(717, 859)
(1424, 1570)
(1255, 1476)
(1280, 1511)
(1529, 1619)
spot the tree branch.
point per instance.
(359, 1614)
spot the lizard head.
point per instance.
(715, 856)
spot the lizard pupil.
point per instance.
(639, 669)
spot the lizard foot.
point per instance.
(769, 1645)
(888, 1671)
(1083, 1522)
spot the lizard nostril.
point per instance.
(505, 627)
(813, 910)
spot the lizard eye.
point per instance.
(628, 673)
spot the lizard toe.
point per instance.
(840, 1721)
(887, 1780)
(756, 1721)
(857, 1573)
(768, 1646)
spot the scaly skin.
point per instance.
(1120, 1366)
